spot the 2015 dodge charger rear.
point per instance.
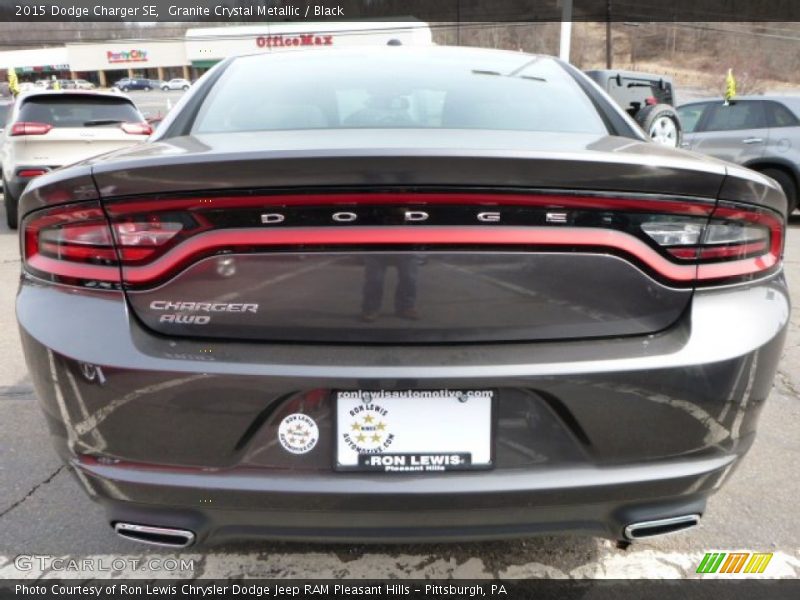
(395, 293)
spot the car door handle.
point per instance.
(753, 140)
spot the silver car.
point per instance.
(176, 84)
(759, 132)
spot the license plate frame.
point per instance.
(479, 406)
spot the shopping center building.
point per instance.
(103, 63)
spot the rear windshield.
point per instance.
(633, 93)
(355, 91)
(78, 111)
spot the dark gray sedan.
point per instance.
(401, 293)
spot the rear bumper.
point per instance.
(595, 435)
(16, 185)
(598, 502)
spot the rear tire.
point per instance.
(186, 87)
(124, 89)
(787, 183)
(12, 207)
(661, 124)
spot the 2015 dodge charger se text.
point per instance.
(401, 293)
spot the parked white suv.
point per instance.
(176, 84)
(5, 108)
(82, 84)
(49, 129)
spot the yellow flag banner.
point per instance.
(13, 82)
(730, 86)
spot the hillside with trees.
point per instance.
(764, 56)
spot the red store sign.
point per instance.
(126, 56)
(285, 41)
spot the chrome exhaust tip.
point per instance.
(155, 536)
(646, 529)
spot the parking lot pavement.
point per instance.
(156, 103)
(43, 511)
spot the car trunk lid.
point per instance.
(402, 245)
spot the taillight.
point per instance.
(741, 243)
(137, 128)
(669, 231)
(736, 242)
(76, 244)
(28, 173)
(30, 128)
(71, 244)
(139, 240)
(147, 241)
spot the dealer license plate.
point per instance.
(414, 431)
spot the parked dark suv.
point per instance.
(136, 84)
(648, 98)
(761, 132)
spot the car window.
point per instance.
(77, 111)
(690, 114)
(780, 116)
(744, 114)
(360, 92)
(633, 93)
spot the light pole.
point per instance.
(566, 30)
(609, 50)
(458, 22)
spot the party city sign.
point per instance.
(127, 56)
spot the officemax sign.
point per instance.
(303, 39)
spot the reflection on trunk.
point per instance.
(410, 297)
